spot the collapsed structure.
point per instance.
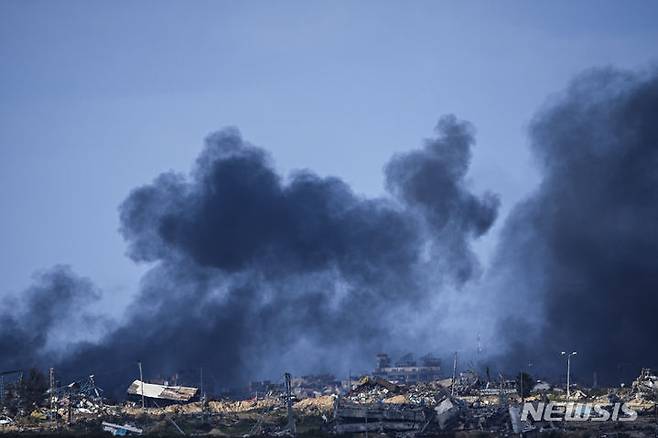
(162, 392)
(372, 404)
(646, 385)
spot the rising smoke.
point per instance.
(254, 273)
(577, 261)
(44, 314)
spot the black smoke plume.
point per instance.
(431, 181)
(578, 261)
(33, 324)
(255, 273)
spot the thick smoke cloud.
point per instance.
(254, 273)
(578, 260)
(431, 181)
(34, 323)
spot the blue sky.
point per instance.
(97, 98)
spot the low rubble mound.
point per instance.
(243, 405)
(322, 405)
(400, 399)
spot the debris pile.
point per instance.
(372, 389)
(467, 383)
(374, 405)
(377, 417)
(428, 394)
(449, 412)
(244, 405)
(646, 385)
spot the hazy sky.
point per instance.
(97, 98)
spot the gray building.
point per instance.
(407, 370)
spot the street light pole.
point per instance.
(573, 353)
(454, 376)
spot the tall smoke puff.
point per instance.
(431, 181)
(579, 254)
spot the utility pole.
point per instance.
(573, 353)
(203, 394)
(141, 382)
(454, 375)
(521, 378)
(69, 415)
(291, 419)
(51, 378)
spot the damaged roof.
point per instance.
(151, 390)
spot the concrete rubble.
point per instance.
(646, 385)
(378, 417)
(370, 405)
(448, 413)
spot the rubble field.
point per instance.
(373, 406)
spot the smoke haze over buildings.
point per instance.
(253, 272)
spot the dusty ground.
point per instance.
(230, 418)
(313, 416)
(267, 417)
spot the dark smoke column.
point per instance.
(581, 253)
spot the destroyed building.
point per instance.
(354, 418)
(406, 370)
(464, 404)
(646, 385)
(162, 394)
